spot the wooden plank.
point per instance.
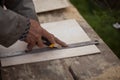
(79, 71)
(98, 63)
(48, 5)
(51, 70)
(63, 30)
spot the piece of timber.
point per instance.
(34, 51)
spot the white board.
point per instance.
(48, 5)
(69, 31)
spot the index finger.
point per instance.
(63, 44)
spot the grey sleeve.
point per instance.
(22, 7)
(12, 26)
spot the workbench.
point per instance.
(103, 66)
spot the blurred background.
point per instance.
(104, 17)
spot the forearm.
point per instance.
(22, 7)
(12, 26)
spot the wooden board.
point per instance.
(91, 66)
(69, 31)
(49, 70)
(48, 5)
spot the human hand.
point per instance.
(36, 32)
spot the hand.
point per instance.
(36, 32)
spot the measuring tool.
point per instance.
(35, 51)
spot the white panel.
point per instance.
(68, 30)
(48, 5)
(45, 56)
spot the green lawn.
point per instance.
(101, 20)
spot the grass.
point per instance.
(101, 21)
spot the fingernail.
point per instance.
(57, 46)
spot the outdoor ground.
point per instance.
(101, 20)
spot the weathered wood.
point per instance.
(81, 72)
(92, 66)
(38, 71)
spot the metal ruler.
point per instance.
(35, 51)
